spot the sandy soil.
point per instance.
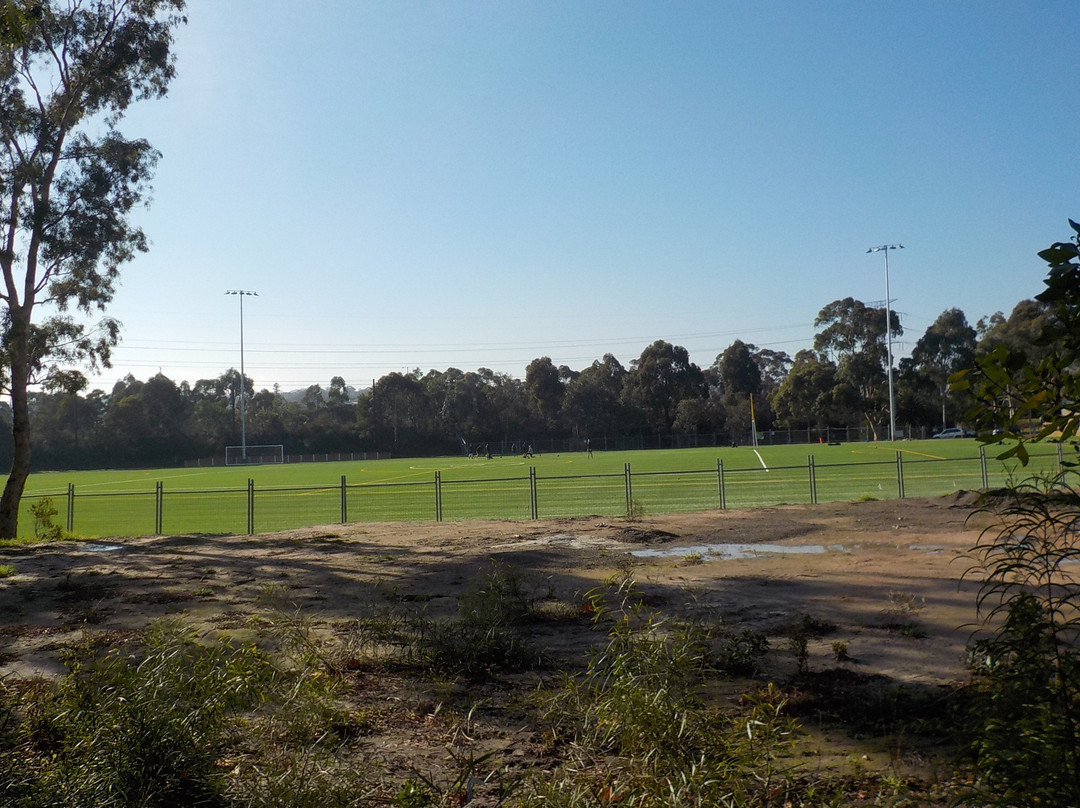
(888, 575)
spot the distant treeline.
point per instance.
(842, 381)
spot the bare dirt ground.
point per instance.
(885, 576)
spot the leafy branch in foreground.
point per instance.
(1022, 400)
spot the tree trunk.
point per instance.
(20, 432)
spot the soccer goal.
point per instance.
(254, 455)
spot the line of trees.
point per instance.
(840, 382)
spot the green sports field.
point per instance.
(218, 499)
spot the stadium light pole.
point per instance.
(242, 293)
(888, 333)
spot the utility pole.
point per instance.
(242, 293)
(888, 334)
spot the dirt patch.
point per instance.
(637, 535)
(883, 578)
(868, 550)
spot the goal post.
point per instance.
(258, 455)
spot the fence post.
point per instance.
(344, 502)
(720, 483)
(159, 505)
(438, 496)
(982, 467)
(1060, 459)
(811, 473)
(629, 490)
(251, 507)
(533, 509)
(900, 474)
(71, 508)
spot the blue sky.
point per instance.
(477, 184)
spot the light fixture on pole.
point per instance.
(242, 293)
(888, 333)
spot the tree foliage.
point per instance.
(659, 380)
(805, 397)
(69, 180)
(851, 327)
(853, 335)
(947, 347)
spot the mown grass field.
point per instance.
(215, 500)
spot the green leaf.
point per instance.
(1010, 452)
(1060, 253)
(996, 373)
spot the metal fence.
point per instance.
(531, 496)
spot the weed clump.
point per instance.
(1025, 716)
(174, 721)
(486, 634)
(639, 731)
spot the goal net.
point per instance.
(254, 455)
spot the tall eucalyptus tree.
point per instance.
(68, 181)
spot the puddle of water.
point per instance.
(100, 548)
(725, 552)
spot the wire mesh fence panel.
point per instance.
(754, 488)
(1003, 472)
(391, 502)
(675, 491)
(594, 495)
(507, 498)
(220, 511)
(127, 514)
(851, 481)
(931, 478)
(287, 508)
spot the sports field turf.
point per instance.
(217, 499)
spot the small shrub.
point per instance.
(740, 653)
(840, 651)
(636, 511)
(44, 512)
(799, 643)
(6, 570)
(799, 633)
(486, 634)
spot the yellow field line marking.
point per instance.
(907, 451)
(143, 479)
(924, 454)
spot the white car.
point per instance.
(954, 432)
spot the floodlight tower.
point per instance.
(888, 333)
(242, 293)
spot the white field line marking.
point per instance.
(759, 457)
